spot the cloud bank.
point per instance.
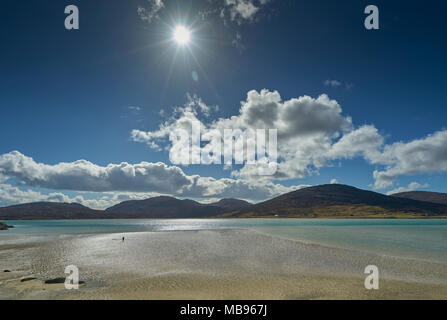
(144, 177)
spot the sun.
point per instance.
(182, 35)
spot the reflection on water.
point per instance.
(426, 239)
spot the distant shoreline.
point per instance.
(243, 218)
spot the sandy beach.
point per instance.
(209, 264)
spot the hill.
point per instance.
(231, 204)
(434, 197)
(157, 207)
(169, 207)
(325, 201)
(339, 201)
(48, 211)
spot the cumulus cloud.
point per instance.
(427, 155)
(10, 195)
(306, 129)
(297, 117)
(365, 141)
(83, 175)
(150, 11)
(182, 118)
(312, 133)
(411, 187)
(144, 177)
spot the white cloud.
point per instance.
(312, 132)
(306, 128)
(334, 181)
(244, 9)
(10, 195)
(411, 187)
(427, 155)
(337, 83)
(151, 10)
(297, 117)
(83, 175)
(241, 11)
(144, 177)
(134, 109)
(234, 13)
(364, 141)
(181, 118)
(332, 83)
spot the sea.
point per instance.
(409, 238)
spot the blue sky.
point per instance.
(78, 95)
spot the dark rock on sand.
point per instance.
(4, 226)
(55, 280)
(28, 279)
(59, 280)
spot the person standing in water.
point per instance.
(123, 239)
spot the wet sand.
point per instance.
(210, 264)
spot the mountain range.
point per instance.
(332, 200)
(168, 207)
(156, 207)
(336, 200)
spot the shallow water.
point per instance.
(418, 239)
(274, 258)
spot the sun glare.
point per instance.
(182, 35)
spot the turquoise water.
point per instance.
(421, 239)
